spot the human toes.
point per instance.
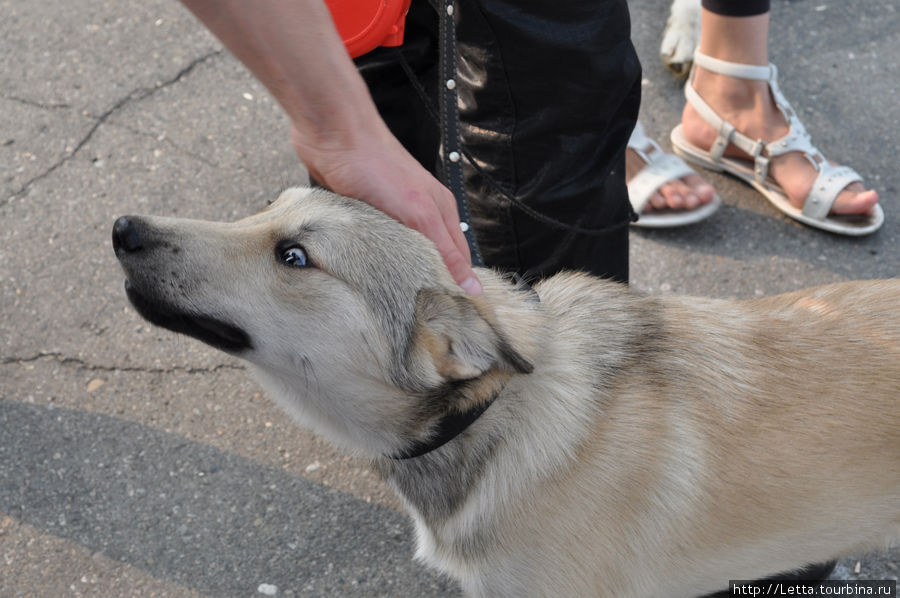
(855, 199)
(656, 202)
(678, 196)
(699, 187)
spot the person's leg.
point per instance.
(547, 102)
(735, 36)
(549, 93)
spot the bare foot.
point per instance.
(750, 107)
(686, 193)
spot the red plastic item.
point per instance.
(366, 24)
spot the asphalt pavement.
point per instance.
(135, 462)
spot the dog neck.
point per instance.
(434, 472)
(434, 475)
(473, 398)
(579, 337)
(447, 428)
(481, 393)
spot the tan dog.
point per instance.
(631, 446)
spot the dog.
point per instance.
(681, 37)
(574, 438)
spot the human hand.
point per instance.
(378, 170)
(293, 48)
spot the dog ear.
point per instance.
(462, 343)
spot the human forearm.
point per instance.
(293, 48)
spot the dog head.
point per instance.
(350, 318)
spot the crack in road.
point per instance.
(135, 95)
(91, 367)
(37, 104)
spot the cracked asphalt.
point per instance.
(134, 462)
(133, 96)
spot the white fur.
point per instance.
(682, 35)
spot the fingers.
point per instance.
(458, 263)
(450, 216)
(440, 223)
(380, 172)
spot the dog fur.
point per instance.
(637, 446)
(681, 36)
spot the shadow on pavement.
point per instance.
(206, 519)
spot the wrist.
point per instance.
(320, 143)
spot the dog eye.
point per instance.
(293, 255)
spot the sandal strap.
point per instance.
(639, 142)
(828, 185)
(657, 172)
(796, 140)
(734, 69)
(659, 168)
(727, 134)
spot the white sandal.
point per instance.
(660, 168)
(830, 181)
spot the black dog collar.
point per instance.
(449, 427)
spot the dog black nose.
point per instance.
(126, 236)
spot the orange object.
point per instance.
(366, 24)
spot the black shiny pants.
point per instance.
(548, 95)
